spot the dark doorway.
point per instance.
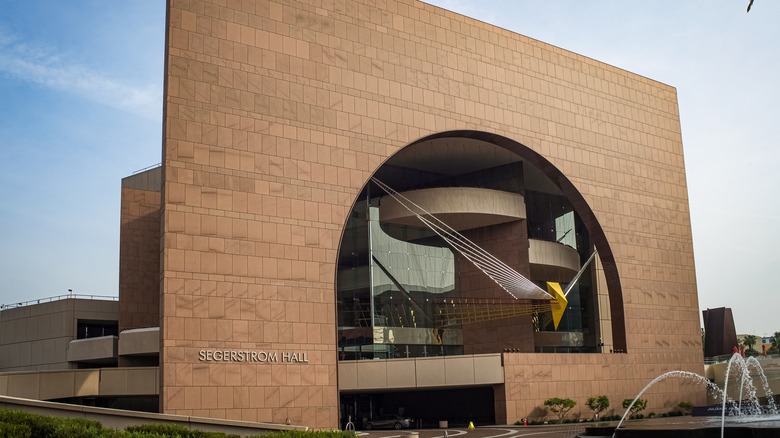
(456, 406)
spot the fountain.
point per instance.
(752, 415)
(744, 367)
(696, 378)
(755, 407)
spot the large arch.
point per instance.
(568, 190)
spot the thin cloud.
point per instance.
(35, 65)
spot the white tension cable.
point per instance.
(510, 280)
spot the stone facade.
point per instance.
(139, 251)
(276, 115)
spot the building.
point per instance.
(287, 284)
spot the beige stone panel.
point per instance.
(400, 374)
(459, 370)
(192, 397)
(56, 385)
(114, 381)
(430, 372)
(208, 397)
(325, 374)
(38, 350)
(488, 369)
(173, 398)
(372, 374)
(86, 383)
(144, 380)
(24, 386)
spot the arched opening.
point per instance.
(403, 292)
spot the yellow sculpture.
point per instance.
(558, 303)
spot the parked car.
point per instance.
(389, 421)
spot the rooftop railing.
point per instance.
(147, 168)
(58, 298)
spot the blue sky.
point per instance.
(80, 108)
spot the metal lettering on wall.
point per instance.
(252, 356)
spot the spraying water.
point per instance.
(770, 399)
(742, 369)
(695, 378)
(745, 380)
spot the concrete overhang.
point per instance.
(552, 261)
(143, 341)
(94, 382)
(93, 350)
(428, 372)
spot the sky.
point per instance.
(81, 108)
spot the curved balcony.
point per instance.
(100, 350)
(552, 261)
(461, 208)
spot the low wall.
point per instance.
(716, 373)
(119, 419)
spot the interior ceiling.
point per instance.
(459, 155)
(453, 156)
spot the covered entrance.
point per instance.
(427, 407)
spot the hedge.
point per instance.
(18, 424)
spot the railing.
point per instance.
(725, 358)
(58, 298)
(147, 168)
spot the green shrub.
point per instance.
(79, 428)
(19, 424)
(8, 430)
(686, 407)
(174, 431)
(597, 404)
(168, 430)
(638, 405)
(559, 406)
(40, 426)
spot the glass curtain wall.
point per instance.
(393, 280)
(388, 289)
(552, 218)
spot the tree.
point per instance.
(597, 404)
(559, 406)
(686, 407)
(749, 341)
(639, 405)
(776, 341)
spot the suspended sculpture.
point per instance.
(514, 283)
